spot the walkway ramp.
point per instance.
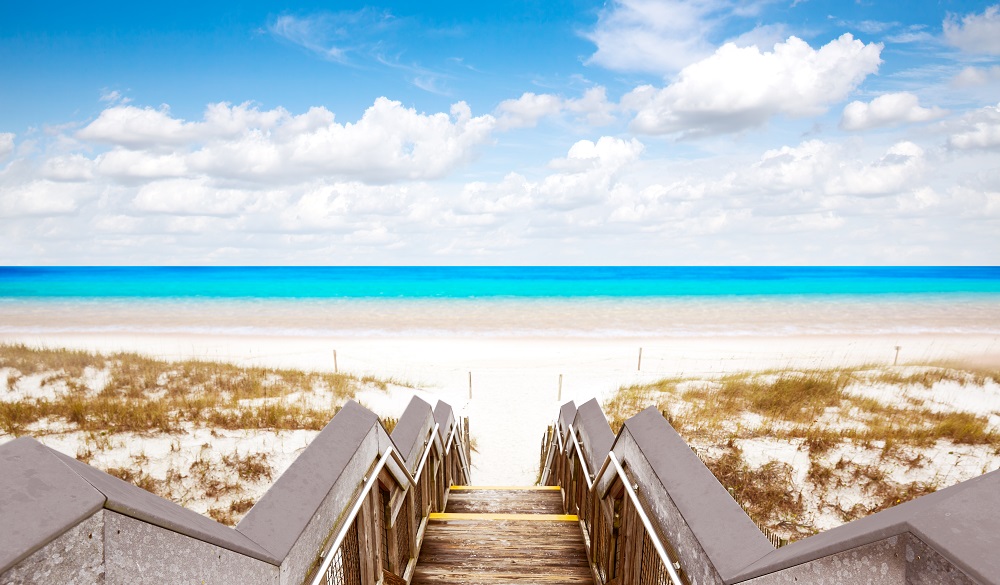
(492, 535)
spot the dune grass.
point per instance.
(822, 410)
(142, 394)
(111, 398)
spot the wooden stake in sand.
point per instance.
(895, 360)
(639, 367)
(335, 370)
(470, 385)
(559, 396)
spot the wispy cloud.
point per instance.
(342, 37)
(113, 97)
(365, 38)
(420, 77)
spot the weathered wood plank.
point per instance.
(493, 551)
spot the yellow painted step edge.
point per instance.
(536, 488)
(519, 517)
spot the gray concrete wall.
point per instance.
(924, 566)
(138, 552)
(878, 563)
(74, 558)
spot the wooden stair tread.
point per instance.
(494, 550)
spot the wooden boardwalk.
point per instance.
(491, 536)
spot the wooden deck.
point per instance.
(495, 536)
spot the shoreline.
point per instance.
(552, 318)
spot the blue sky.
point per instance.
(626, 132)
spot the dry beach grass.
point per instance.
(209, 435)
(803, 451)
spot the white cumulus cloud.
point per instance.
(42, 197)
(742, 87)
(899, 169)
(586, 176)
(979, 129)
(651, 35)
(188, 197)
(888, 109)
(663, 36)
(975, 33)
(389, 142)
(527, 110)
(973, 76)
(594, 106)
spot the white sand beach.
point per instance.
(515, 380)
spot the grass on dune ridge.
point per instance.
(855, 424)
(128, 392)
(106, 401)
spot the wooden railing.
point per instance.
(383, 527)
(623, 543)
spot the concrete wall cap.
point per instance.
(567, 412)
(596, 433)
(407, 435)
(444, 416)
(964, 527)
(40, 499)
(279, 518)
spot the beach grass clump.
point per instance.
(33, 360)
(252, 467)
(629, 400)
(388, 423)
(763, 492)
(790, 397)
(963, 427)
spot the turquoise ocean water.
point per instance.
(488, 282)
(582, 301)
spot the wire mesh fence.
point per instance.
(345, 569)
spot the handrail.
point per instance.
(613, 460)
(369, 482)
(547, 462)
(390, 452)
(583, 461)
(427, 452)
(461, 452)
(662, 552)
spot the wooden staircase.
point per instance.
(491, 535)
